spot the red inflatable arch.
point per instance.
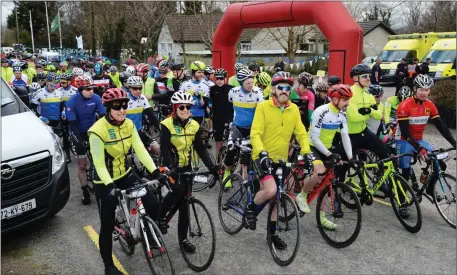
(344, 34)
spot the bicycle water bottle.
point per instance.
(424, 176)
(133, 213)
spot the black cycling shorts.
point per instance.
(218, 128)
(80, 147)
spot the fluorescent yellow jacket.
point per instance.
(7, 73)
(148, 88)
(109, 146)
(115, 78)
(30, 72)
(266, 92)
(360, 99)
(233, 81)
(272, 130)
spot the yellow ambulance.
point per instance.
(442, 56)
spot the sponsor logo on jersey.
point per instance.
(112, 134)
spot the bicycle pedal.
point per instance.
(225, 207)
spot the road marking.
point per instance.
(94, 237)
(382, 202)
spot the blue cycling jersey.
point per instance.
(19, 83)
(49, 102)
(83, 110)
(244, 105)
(68, 92)
(135, 109)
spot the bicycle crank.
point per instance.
(366, 197)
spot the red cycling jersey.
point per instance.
(417, 114)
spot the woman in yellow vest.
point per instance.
(111, 139)
(179, 132)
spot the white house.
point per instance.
(375, 36)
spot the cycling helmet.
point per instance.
(306, 79)
(238, 67)
(182, 98)
(62, 64)
(77, 71)
(52, 77)
(360, 69)
(142, 68)
(423, 81)
(113, 69)
(163, 63)
(24, 65)
(39, 66)
(5, 60)
(65, 76)
(124, 76)
(209, 70)
(34, 87)
(40, 76)
(322, 87)
(197, 66)
(90, 65)
(282, 77)
(178, 66)
(135, 81)
(17, 68)
(114, 94)
(220, 73)
(83, 81)
(131, 70)
(375, 90)
(108, 62)
(243, 74)
(404, 93)
(339, 91)
(264, 78)
(254, 66)
(50, 68)
(98, 68)
(333, 80)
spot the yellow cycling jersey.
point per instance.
(109, 146)
(360, 99)
(181, 138)
(272, 130)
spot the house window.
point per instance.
(162, 46)
(170, 47)
(307, 47)
(246, 46)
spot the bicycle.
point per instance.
(444, 192)
(196, 226)
(201, 182)
(223, 151)
(398, 189)
(332, 190)
(133, 225)
(235, 203)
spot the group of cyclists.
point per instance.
(106, 112)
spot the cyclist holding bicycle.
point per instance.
(327, 120)
(67, 91)
(413, 114)
(82, 109)
(274, 123)
(245, 100)
(303, 97)
(179, 133)
(111, 138)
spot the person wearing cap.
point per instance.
(7, 71)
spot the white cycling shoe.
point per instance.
(302, 201)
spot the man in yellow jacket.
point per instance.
(114, 74)
(7, 71)
(275, 121)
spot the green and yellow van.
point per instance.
(442, 56)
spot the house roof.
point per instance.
(368, 26)
(190, 27)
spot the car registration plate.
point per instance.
(18, 209)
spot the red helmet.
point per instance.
(83, 81)
(339, 91)
(282, 77)
(114, 94)
(142, 67)
(158, 61)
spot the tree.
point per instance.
(291, 37)
(385, 12)
(412, 13)
(439, 17)
(192, 7)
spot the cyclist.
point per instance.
(264, 83)
(7, 71)
(321, 97)
(111, 139)
(327, 120)
(245, 100)
(67, 91)
(333, 80)
(274, 123)
(62, 68)
(81, 110)
(222, 107)
(49, 100)
(29, 72)
(150, 84)
(174, 83)
(304, 97)
(102, 81)
(392, 103)
(41, 79)
(255, 69)
(377, 125)
(413, 114)
(162, 79)
(179, 133)
(209, 75)
(34, 87)
(123, 79)
(232, 80)
(115, 76)
(18, 79)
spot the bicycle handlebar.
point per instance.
(333, 165)
(195, 173)
(138, 186)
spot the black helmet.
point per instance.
(41, 75)
(333, 80)
(360, 69)
(124, 76)
(254, 66)
(220, 73)
(177, 66)
(375, 90)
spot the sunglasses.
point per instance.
(378, 96)
(220, 78)
(136, 88)
(88, 89)
(284, 88)
(182, 107)
(365, 76)
(118, 105)
(63, 82)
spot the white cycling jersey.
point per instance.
(201, 87)
(244, 105)
(67, 92)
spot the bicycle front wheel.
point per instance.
(405, 204)
(287, 229)
(202, 234)
(231, 204)
(202, 182)
(444, 197)
(339, 215)
(157, 256)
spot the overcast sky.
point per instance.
(7, 8)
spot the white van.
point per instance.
(35, 182)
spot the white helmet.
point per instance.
(77, 71)
(134, 81)
(131, 70)
(182, 98)
(238, 67)
(243, 74)
(423, 81)
(34, 87)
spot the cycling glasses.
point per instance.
(364, 76)
(137, 88)
(118, 105)
(284, 88)
(220, 78)
(182, 107)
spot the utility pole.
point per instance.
(17, 24)
(92, 30)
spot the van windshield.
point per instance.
(11, 103)
(393, 56)
(440, 56)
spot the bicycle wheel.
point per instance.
(231, 204)
(444, 197)
(339, 205)
(201, 232)
(158, 258)
(404, 197)
(366, 156)
(220, 160)
(287, 230)
(126, 241)
(202, 182)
